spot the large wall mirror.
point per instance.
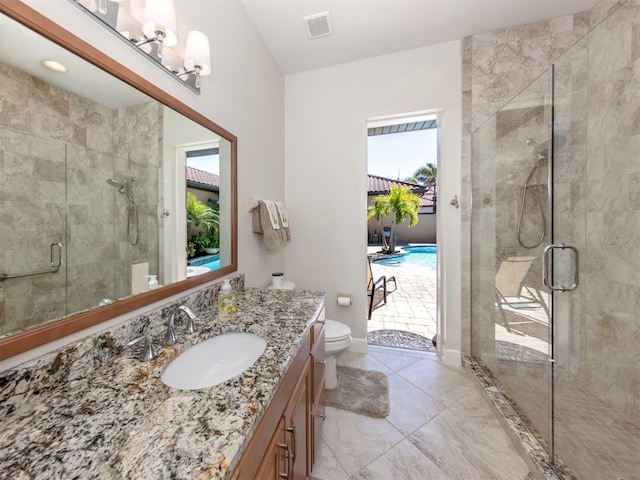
(95, 165)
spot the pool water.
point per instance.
(422, 256)
(212, 262)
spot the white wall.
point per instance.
(244, 94)
(326, 113)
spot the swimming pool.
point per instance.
(212, 262)
(421, 256)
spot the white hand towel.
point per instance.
(283, 214)
(273, 214)
(284, 220)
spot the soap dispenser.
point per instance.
(153, 281)
(226, 302)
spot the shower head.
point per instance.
(123, 187)
(120, 186)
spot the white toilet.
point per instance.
(337, 338)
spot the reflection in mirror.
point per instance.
(93, 196)
(203, 210)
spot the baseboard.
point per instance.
(452, 357)
(358, 345)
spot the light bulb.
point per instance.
(160, 13)
(197, 54)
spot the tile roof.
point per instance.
(381, 185)
(201, 177)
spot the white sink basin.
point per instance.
(193, 271)
(214, 361)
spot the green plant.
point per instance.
(425, 175)
(215, 239)
(201, 240)
(398, 204)
(199, 214)
(191, 250)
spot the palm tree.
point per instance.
(398, 204)
(425, 175)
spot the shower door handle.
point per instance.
(546, 267)
(56, 247)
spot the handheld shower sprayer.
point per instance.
(132, 222)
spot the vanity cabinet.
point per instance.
(284, 444)
(276, 456)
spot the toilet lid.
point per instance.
(335, 331)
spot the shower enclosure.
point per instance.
(68, 239)
(556, 252)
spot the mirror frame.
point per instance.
(25, 340)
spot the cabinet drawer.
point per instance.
(318, 326)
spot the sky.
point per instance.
(401, 152)
(209, 164)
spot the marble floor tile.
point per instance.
(362, 360)
(423, 436)
(357, 440)
(446, 384)
(402, 462)
(410, 407)
(392, 361)
(327, 466)
(403, 352)
(467, 442)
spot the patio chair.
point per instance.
(377, 290)
(511, 289)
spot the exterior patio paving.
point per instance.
(412, 307)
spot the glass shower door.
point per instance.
(511, 225)
(32, 230)
(596, 207)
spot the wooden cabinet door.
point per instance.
(297, 423)
(275, 463)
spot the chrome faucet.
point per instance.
(149, 351)
(190, 318)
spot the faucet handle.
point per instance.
(149, 351)
(170, 336)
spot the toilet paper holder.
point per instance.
(343, 300)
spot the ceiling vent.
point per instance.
(318, 25)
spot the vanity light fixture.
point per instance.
(153, 33)
(197, 55)
(55, 66)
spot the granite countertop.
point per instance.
(118, 420)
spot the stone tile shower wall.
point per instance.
(497, 66)
(611, 188)
(596, 184)
(56, 152)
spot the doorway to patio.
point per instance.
(403, 152)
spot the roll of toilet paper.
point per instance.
(344, 301)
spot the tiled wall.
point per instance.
(496, 67)
(56, 152)
(596, 183)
